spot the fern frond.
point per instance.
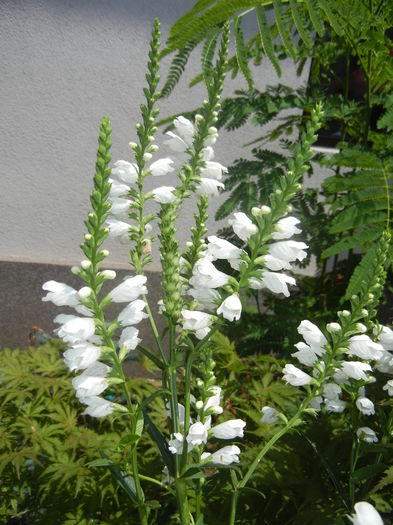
(241, 53)
(361, 271)
(207, 55)
(332, 16)
(177, 67)
(283, 29)
(315, 16)
(364, 238)
(266, 39)
(300, 23)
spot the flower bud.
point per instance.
(199, 405)
(147, 157)
(265, 210)
(278, 192)
(86, 264)
(198, 118)
(88, 237)
(153, 148)
(133, 145)
(150, 138)
(199, 383)
(333, 328)
(76, 270)
(360, 327)
(256, 212)
(104, 253)
(216, 410)
(345, 313)
(108, 274)
(85, 292)
(364, 312)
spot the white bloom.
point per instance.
(285, 228)
(120, 207)
(60, 294)
(331, 391)
(164, 194)
(180, 412)
(221, 249)
(385, 337)
(288, 250)
(385, 363)
(213, 170)
(313, 336)
(231, 308)
(133, 313)
(197, 321)
(305, 354)
(295, 377)
(362, 346)
(81, 356)
(206, 275)
(129, 338)
(207, 153)
(277, 282)
(129, 290)
(119, 229)
(270, 415)
(206, 297)
(175, 143)
(161, 167)
(365, 406)
(226, 455)
(229, 429)
(333, 328)
(213, 401)
(118, 189)
(274, 264)
(365, 514)
(75, 329)
(335, 405)
(242, 226)
(315, 403)
(367, 434)
(125, 171)
(176, 445)
(92, 381)
(185, 128)
(389, 387)
(197, 434)
(97, 406)
(356, 370)
(209, 187)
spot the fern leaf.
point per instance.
(332, 17)
(283, 29)
(266, 38)
(348, 243)
(361, 272)
(300, 23)
(208, 50)
(352, 218)
(241, 53)
(315, 16)
(177, 67)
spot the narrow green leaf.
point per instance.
(283, 29)
(332, 16)
(162, 445)
(300, 23)
(207, 55)
(315, 16)
(367, 472)
(348, 243)
(266, 38)
(241, 52)
(125, 481)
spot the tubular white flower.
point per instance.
(206, 275)
(92, 381)
(162, 167)
(209, 187)
(96, 406)
(214, 400)
(180, 412)
(313, 336)
(120, 207)
(175, 143)
(207, 298)
(274, 264)
(60, 294)
(335, 405)
(356, 370)
(315, 403)
(365, 514)
(125, 171)
(362, 346)
(175, 445)
(331, 391)
(242, 226)
(80, 356)
(288, 250)
(75, 329)
(197, 434)
(221, 249)
(385, 338)
(207, 153)
(226, 455)
(129, 338)
(164, 194)
(305, 354)
(229, 429)
(270, 415)
(277, 282)
(213, 170)
(197, 321)
(231, 308)
(285, 228)
(389, 387)
(365, 406)
(367, 434)
(295, 377)
(118, 189)
(133, 313)
(129, 290)
(385, 363)
(185, 128)
(119, 229)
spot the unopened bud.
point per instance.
(150, 138)
(216, 410)
(75, 270)
(133, 145)
(256, 212)
(199, 383)
(108, 274)
(86, 264)
(147, 157)
(85, 292)
(104, 252)
(153, 148)
(333, 328)
(88, 237)
(364, 312)
(265, 210)
(345, 313)
(199, 405)
(278, 192)
(360, 327)
(198, 118)
(212, 130)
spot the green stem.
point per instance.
(187, 408)
(182, 502)
(353, 462)
(141, 503)
(155, 331)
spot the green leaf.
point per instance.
(207, 55)
(266, 38)
(315, 16)
(348, 243)
(283, 29)
(162, 445)
(361, 271)
(241, 53)
(300, 23)
(367, 472)
(125, 481)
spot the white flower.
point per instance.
(120, 207)
(331, 391)
(229, 429)
(367, 434)
(129, 338)
(206, 297)
(277, 282)
(385, 363)
(164, 194)
(305, 354)
(197, 434)
(81, 356)
(185, 129)
(161, 167)
(196, 321)
(209, 187)
(207, 153)
(335, 405)
(389, 387)
(226, 455)
(125, 171)
(129, 290)
(365, 406)
(270, 415)
(213, 170)
(206, 275)
(288, 250)
(75, 329)
(213, 402)
(272, 263)
(221, 249)
(176, 445)
(285, 228)
(119, 229)
(313, 336)
(175, 143)
(333, 328)
(242, 226)
(362, 346)
(92, 381)
(180, 412)
(231, 308)
(365, 514)
(356, 370)
(133, 313)
(385, 337)
(118, 189)
(60, 294)
(315, 403)
(96, 406)
(295, 377)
